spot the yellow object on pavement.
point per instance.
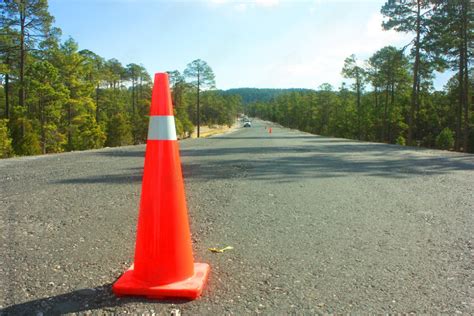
(216, 250)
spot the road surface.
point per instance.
(318, 225)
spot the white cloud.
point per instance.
(243, 5)
(311, 51)
(309, 61)
(267, 3)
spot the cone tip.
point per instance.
(161, 96)
(161, 76)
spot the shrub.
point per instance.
(445, 139)
(6, 149)
(179, 128)
(25, 139)
(400, 140)
(119, 131)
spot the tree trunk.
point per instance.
(43, 134)
(385, 111)
(133, 96)
(358, 107)
(69, 119)
(380, 128)
(457, 142)
(140, 88)
(392, 106)
(198, 114)
(97, 103)
(414, 94)
(7, 95)
(465, 40)
(21, 92)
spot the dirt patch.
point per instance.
(207, 131)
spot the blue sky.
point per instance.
(251, 43)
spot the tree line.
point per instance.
(56, 97)
(392, 98)
(250, 95)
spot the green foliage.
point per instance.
(86, 133)
(200, 74)
(201, 77)
(218, 109)
(119, 131)
(6, 149)
(61, 98)
(253, 95)
(179, 128)
(25, 140)
(400, 140)
(46, 104)
(445, 139)
(54, 140)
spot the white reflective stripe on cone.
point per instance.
(161, 128)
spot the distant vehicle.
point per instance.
(248, 124)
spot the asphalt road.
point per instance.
(317, 224)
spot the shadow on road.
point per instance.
(327, 159)
(78, 301)
(317, 157)
(268, 136)
(127, 177)
(123, 153)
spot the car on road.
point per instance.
(248, 124)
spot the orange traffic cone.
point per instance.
(164, 265)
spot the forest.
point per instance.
(392, 99)
(55, 97)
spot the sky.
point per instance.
(247, 43)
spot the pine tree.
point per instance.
(451, 32)
(31, 21)
(353, 71)
(201, 76)
(410, 17)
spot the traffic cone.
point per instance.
(270, 130)
(164, 266)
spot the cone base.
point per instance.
(190, 288)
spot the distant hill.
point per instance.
(250, 95)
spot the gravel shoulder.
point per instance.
(318, 225)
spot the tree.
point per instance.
(133, 72)
(449, 37)
(410, 16)
(201, 76)
(119, 131)
(179, 91)
(8, 56)
(388, 73)
(6, 149)
(25, 140)
(353, 71)
(445, 139)
(46, 104)
(32, 21)
(94, 74)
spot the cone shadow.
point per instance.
(100, 297)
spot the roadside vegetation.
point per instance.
(55, 97)
(392, 98)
